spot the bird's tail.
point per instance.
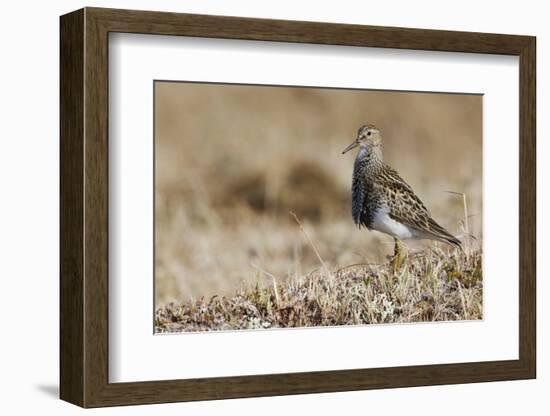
(443, 235)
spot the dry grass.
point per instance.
(437, 285)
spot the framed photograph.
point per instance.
(254, 207)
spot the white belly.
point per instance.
(383, 223)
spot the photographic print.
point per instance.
(289, 206)
(326, 183)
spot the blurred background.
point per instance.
(233, 160)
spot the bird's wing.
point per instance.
(403, 204)
(407, 208)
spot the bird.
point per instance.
(384, 202)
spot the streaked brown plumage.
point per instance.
(383, 201)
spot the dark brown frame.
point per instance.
(84, 207)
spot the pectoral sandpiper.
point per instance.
(383, 201)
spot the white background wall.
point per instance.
(29, 205)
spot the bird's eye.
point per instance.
(368, 134)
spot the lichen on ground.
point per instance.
(434, 285)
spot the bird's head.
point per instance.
(368, 137)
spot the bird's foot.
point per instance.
(397, 260)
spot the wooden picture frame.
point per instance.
(84, 207)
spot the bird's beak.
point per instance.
(351, 146)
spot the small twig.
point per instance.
(466, 222)
(353, 265)
(310, 242)
(465, 204)
(274, 281)
(462, 300)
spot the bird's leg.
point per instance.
(397, 255)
